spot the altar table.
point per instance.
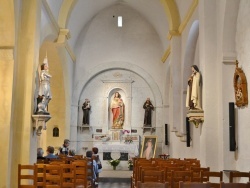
(125, 148)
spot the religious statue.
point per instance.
(195, 113)
(117, 108)
(86, 108)
(148, 106)
(44, 94)
(193, 99)
(240, 87)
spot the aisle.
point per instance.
(115, 179)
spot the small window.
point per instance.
(56, 132)
(119, 21)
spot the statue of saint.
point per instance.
(117, 109)
(44, 94)
(86, 108)
(193, 100)
(148, 106)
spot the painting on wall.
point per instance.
(148, 147)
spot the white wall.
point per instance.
(243, 55)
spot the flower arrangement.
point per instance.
(130, 162)
(128, 140)
(125, 131)
(114, 163)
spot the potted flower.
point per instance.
(114, 163)
(130, 164)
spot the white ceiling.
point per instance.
(85, 10)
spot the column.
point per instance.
(24, 142)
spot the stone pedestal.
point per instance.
(40, 123)
(196, 117)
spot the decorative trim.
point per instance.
(240, 87)
(117, 81)
(62, 32)
(51, 16)
(188, 16)
(166, 54)
(229, 57)
(196, 117)
(172, 32)
(70, 51)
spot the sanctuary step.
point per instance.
(115, 179)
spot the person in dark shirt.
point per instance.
(64, 150)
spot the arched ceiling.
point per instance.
(163, 15)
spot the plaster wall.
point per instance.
(136, 42)
(183, 7)
(62, 71)
(243, 55)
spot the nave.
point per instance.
(114, 179)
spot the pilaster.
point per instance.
(175, 84)
(24, 143)
(6, 82)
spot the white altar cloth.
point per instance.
(125, 148)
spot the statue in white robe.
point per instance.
(193, 100)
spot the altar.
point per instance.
(117, 150)
(122, 148)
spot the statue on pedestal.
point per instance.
(86, 108)
(193, 100)
(195, 113)
(117, 109)
(148, 106)
(44, 94)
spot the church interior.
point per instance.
(117, 55)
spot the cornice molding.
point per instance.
(229, 57)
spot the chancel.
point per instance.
(69, 71)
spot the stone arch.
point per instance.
(173, 15)
(81, 85)
(65, 10)
(190, 52)
(189, 59)
(117, 65)
(57, 105)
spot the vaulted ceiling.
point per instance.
(168, 17)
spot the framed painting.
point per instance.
(148, 147)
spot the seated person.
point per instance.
(95, 167)
(64, 150)
(50, 153)
(40, 153)
(98, 161)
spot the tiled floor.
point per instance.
(114, 179)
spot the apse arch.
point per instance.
(190, 50)
(189, 59)
(117, 66)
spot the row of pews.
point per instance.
(177, 173)
(63, 172)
